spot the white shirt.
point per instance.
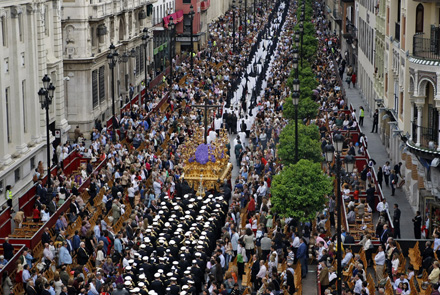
(296, 242)
(157, 188)
(436, 244)
(48, 254)
(380, 258)
(262, 273)
(347, 258)
(382, 207)
(358, 287)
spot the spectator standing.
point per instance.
(361, 116)
(375, 121)
(396, 221)
(386, 172)
(417, 221)
(302, 257)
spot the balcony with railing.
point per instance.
(350, 31)
(428, 142)
(426, 48)
(100, 10)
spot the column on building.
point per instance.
(419, 106)
(33, 81)
(16, 92)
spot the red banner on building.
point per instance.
(177, 18)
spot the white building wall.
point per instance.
(161, 9)
(365, 22)
(85, 55)
(30, 47)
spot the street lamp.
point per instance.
(245, 17)
(191, 17)
(171, 29)
(295, 101)
(233, 26)
(295, 62)
(329, 152)
(112, 58)
(255, 3)
(46, 95)
(239, 33)
(145, 40)
(301, 30)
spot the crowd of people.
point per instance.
(174, 242)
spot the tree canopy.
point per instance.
(309, 146)
(307, 108)
(300, 190)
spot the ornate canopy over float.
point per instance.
(206, 165)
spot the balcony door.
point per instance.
(419, 18)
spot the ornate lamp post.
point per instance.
(46, 95)
(245, 17)
(233, 26)
(330, 149)
(191, 17)
(240, 2)
(171, 29)
(145, 40)
(295, 100)
(112, 58)
(301, 30)
(255, 8)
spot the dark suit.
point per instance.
(52, 207)
(396, 223)
(83, 257)
(31, 291)
(45, 238)
(384, 236)
(8, 251)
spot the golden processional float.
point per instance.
(206, 165)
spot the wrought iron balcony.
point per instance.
(426, 48)
(429, 140)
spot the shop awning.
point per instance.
(177, 18)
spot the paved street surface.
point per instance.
(379, 154)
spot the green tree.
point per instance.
(307, 108)
(309, 146)
(299, 190)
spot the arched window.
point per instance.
(121, 28)
(419, 18)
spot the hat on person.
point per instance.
(141, 284)
(157, 275)
(128, 268)
(127, 283)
